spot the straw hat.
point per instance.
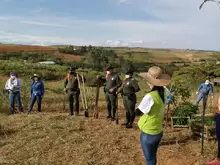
(156, 77)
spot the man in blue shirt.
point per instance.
(206, 88)
(37, 92)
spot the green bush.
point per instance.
(186, 109)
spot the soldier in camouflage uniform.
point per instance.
(71, 86)
(113, 83)
(128, 90)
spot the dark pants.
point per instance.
(73, 97)
(150, 144)
(129, 105)
(33, 100)
(218, 132)
(12, 97)
(111, 104)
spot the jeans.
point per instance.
(218, 132)
(34, 98)
(149, 144)
(199, 98)
(12, 97)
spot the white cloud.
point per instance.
(116, 43)
(125, 1)
(40, 40)
(40, 10)
(42, 23)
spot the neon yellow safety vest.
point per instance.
(152, 123)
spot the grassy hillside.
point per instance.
(136, 54)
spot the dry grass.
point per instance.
(54, 138)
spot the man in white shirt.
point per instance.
(13, 86)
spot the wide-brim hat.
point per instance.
(36, 75)
(109, 68)
(72, 68)
(129, 71)
(156, 77)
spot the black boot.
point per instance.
(127, 119)
(129, 126)
(109, 117)
(113, 118)
(125, 124)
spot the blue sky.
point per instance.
(142, 23)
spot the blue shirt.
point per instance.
(37, 88)
(205, 89)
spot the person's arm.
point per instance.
(118, 82)
(42, 88)
(65, 82)
(6, 85)
(135, 86)
(19, 85)
(146, 104)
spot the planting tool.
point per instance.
(81, 95)
(203, 118)
(96, 113)
(84, 93)
(117, 120)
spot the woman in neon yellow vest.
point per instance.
(152, 106)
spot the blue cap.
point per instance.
(13, 74)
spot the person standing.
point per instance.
(71, 87)
(128, 91)
(37, 92)
(206, 88)
(13, 86)
(217, 118)
(152, 107)
(113, 83)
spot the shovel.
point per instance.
(84, 92)
(81, 95)
(96, 113)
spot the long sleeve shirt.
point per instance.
(37, 88)
(114, 82)
(207, 89)
(13, 85)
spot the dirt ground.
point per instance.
(54, 138)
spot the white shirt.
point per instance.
(146, 104)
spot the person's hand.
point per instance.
(111, 90)
(197, 92)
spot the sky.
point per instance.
(133, 23)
